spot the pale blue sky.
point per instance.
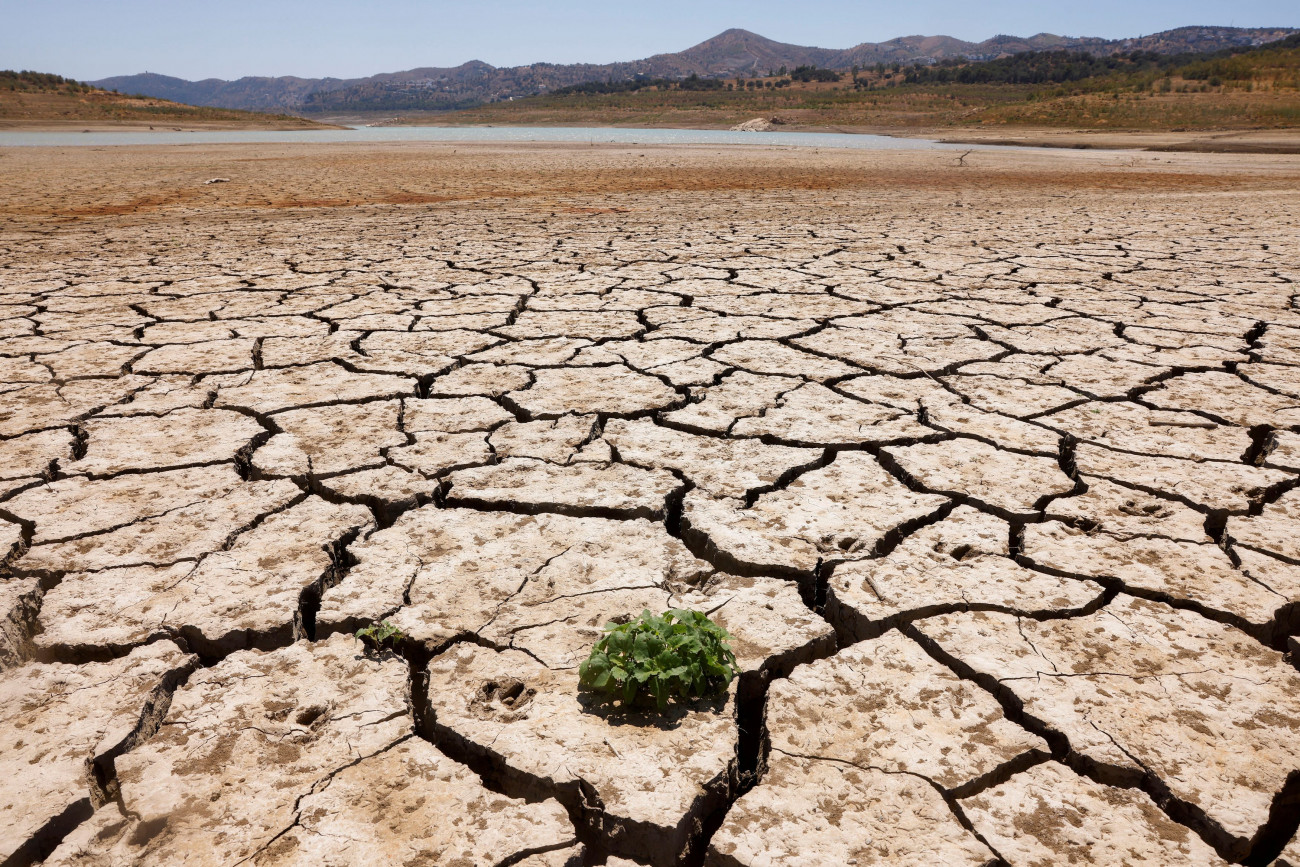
(90, 39)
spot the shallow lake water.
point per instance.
(11, 138)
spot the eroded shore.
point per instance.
(989, 467)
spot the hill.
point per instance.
(1232, 89)
(731, 53)
(38, 99)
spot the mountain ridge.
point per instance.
(734, 52)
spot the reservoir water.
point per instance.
(581, 135)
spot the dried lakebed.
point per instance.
(999, 505)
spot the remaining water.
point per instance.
(10, 138)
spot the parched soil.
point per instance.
(989, 465)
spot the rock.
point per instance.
(838, 512)
(1007, 433)
(720, 467)
(1076, 334)
(885, 352)
(557, 622)
(1285, 454)
(331, 439)
(758, 124)
(583, 489)
(1143, 689)
(1291, 854)
(62, 722)
(423, 353)
(447, 571)
(545, 351)
(252, 595)
(961, 563)
(588, 325)
(647, 777)
(613, 390)
(32, 408)
(1011, 484)
(1048, 814)
(383, 487)
(808, 812)
(304, 756)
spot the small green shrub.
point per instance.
(377, 633)
(681, 655)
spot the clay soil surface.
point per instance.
(989, 466)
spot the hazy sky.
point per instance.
(90, 39)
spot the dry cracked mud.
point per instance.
(991, 471)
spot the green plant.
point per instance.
(680, 655)
(377, 633)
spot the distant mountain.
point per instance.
(730, 53)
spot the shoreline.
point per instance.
(1266, 142)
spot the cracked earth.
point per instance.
(992, 473)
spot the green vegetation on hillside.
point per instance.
(1234, 88)
(28, 97)
(27, 81)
